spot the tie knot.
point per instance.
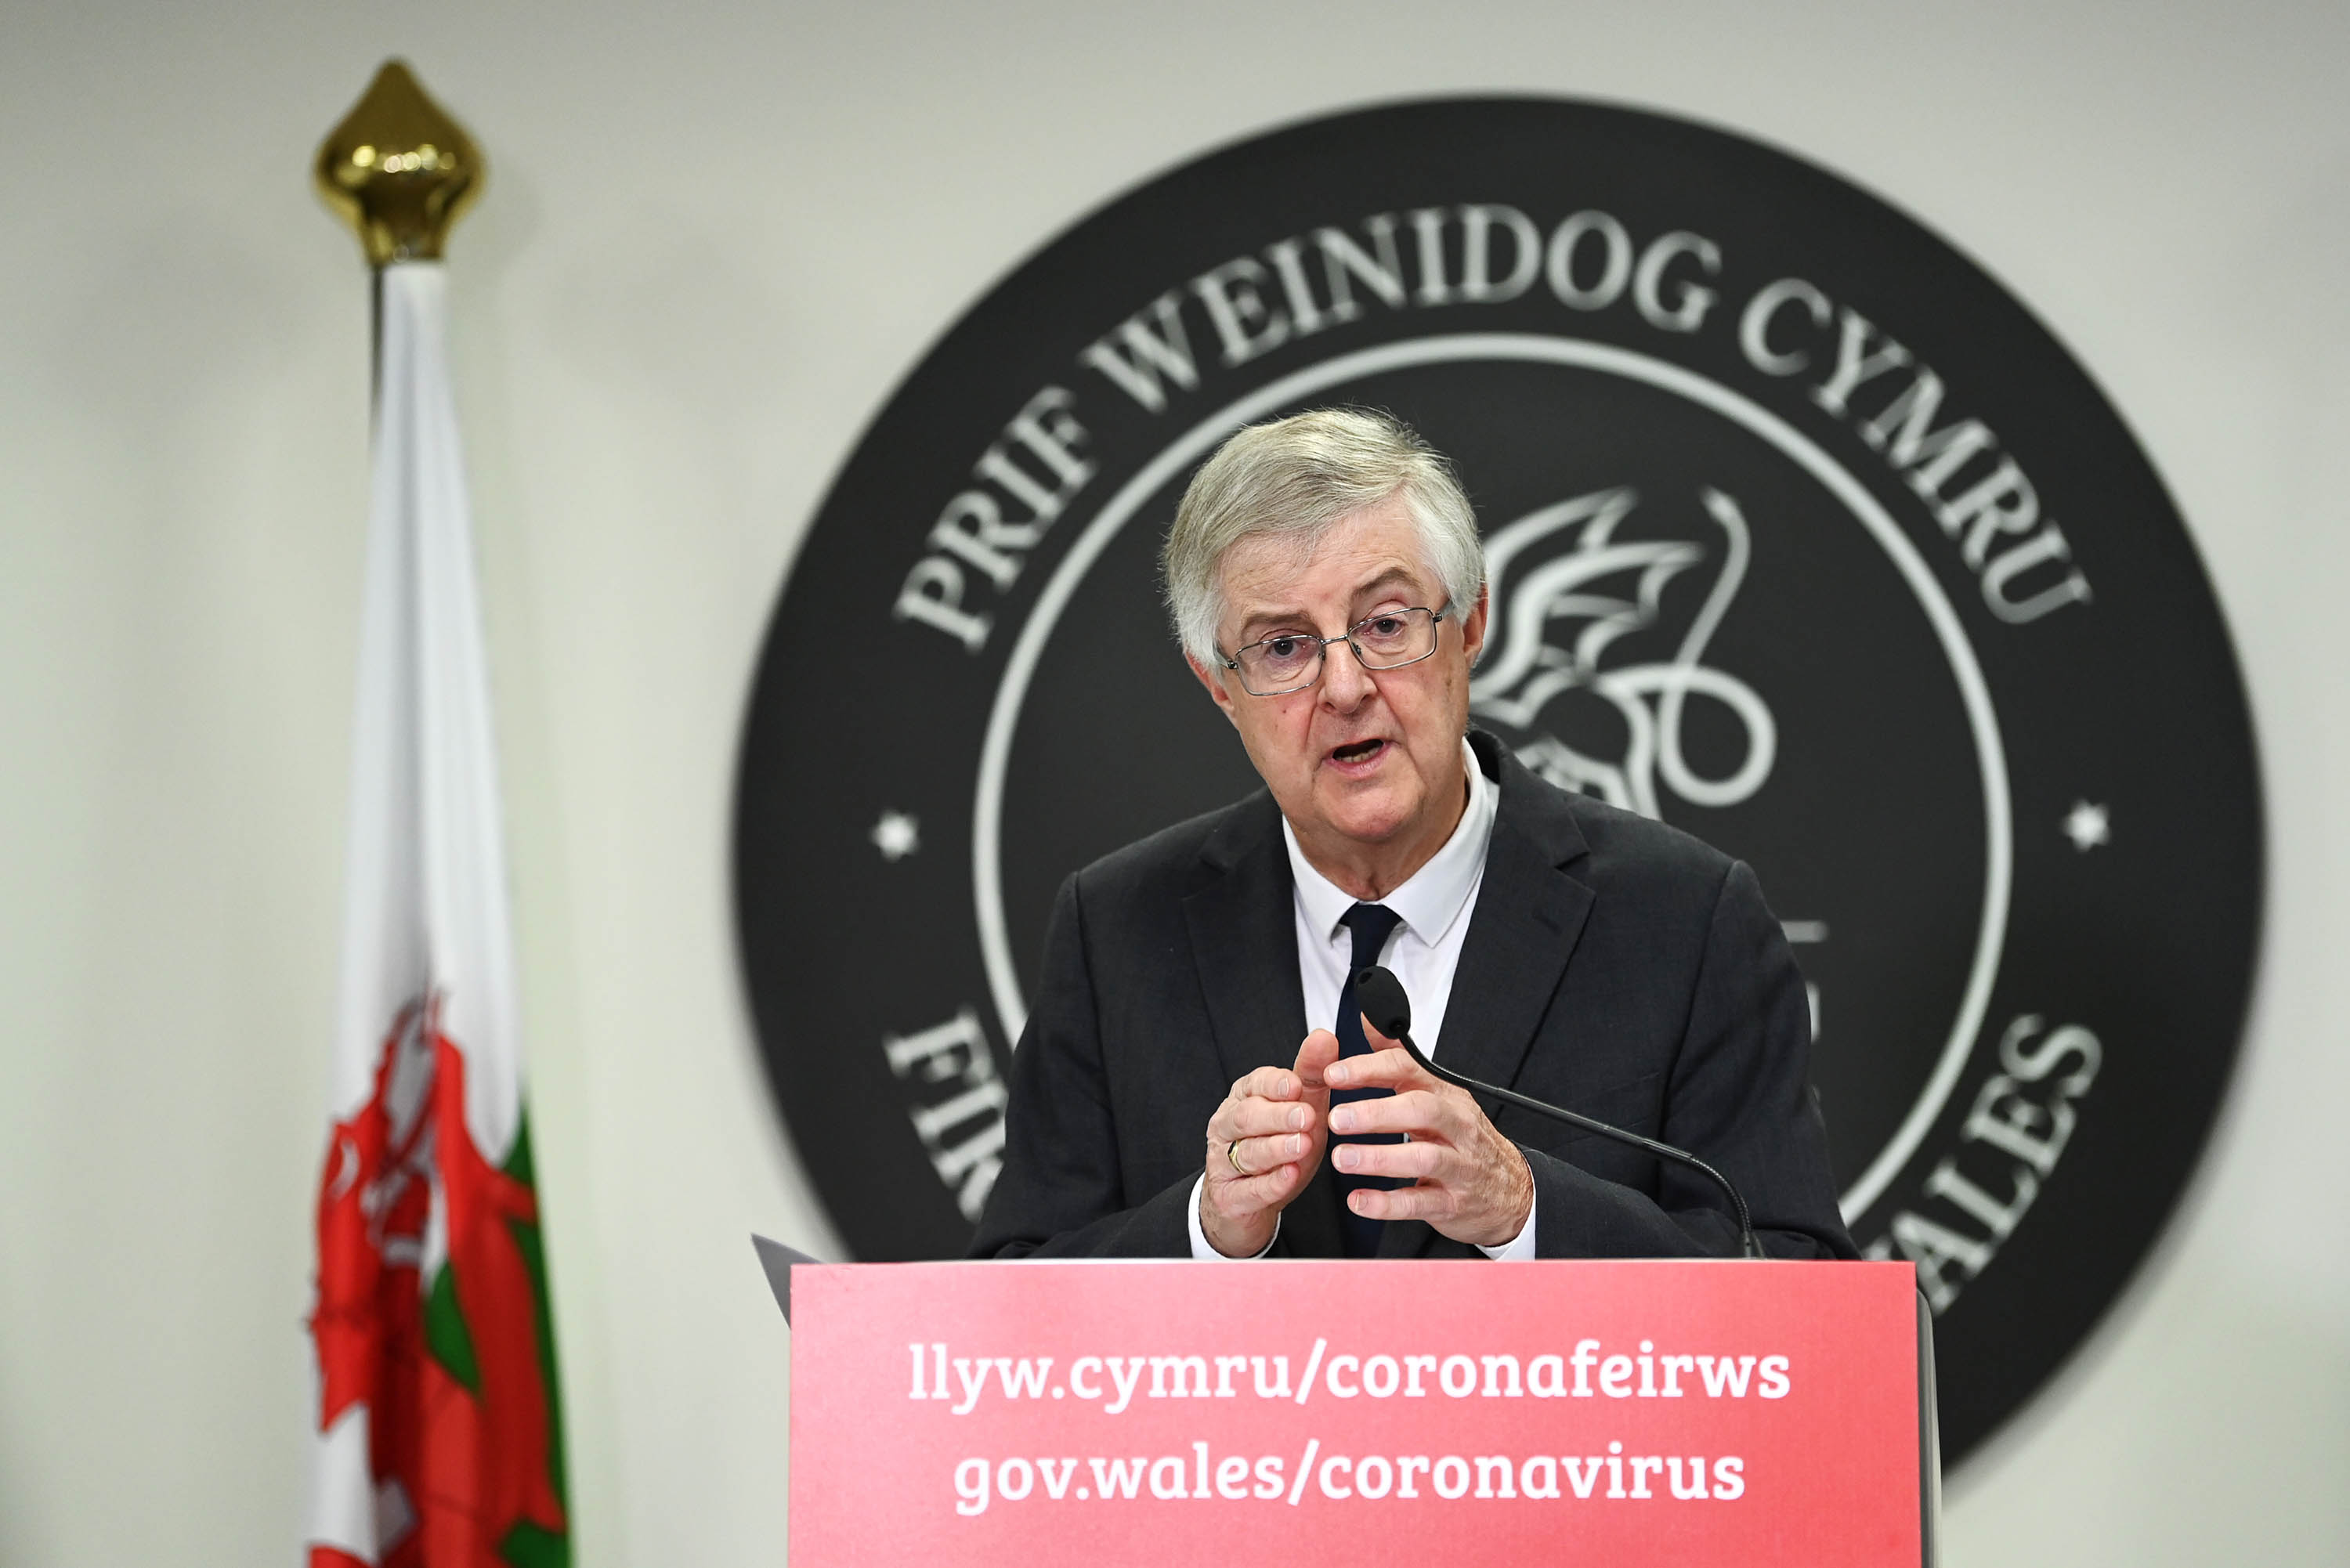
(1372, 924)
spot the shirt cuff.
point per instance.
(1519, 1249)
(1203, 1252)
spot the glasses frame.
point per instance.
(1436, 620)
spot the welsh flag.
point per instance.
(437, 1440)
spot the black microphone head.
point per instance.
(1381, 996)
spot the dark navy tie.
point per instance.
(1372, 924)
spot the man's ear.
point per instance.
(1212, 681)
(1472, 626)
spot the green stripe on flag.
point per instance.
(526, 1545)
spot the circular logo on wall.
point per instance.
(1804, 535)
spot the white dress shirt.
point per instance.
(1434, 906)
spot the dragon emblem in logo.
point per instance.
(1567, 593)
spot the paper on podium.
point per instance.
(777, 1260)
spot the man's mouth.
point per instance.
(1360, 752)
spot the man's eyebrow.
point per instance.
(1259, 621)
(1393, 577)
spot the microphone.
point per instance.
(1382, 999)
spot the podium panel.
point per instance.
(1146, 1413)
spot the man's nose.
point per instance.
(1346, 684)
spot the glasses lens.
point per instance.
(1279, 663)
(1397, 638)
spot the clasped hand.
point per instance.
(1467, 1181)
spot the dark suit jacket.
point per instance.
(1613, 965)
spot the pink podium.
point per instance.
(1146, 1413)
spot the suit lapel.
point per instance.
(1529, 914)
(1244, 951)
(1245, 940)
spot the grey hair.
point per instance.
(1293, 479)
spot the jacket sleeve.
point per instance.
(1738, 1097)
(1061, 1192)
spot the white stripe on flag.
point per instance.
(425, 894)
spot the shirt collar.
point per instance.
(1431, 898)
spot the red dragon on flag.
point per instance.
(455, 1374)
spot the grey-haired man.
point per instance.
(1329, 590)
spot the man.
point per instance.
(1327, 585)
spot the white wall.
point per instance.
(714, 237)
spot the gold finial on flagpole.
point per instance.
(398, 169)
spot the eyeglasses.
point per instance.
(1291, 661)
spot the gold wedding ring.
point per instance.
(1232, 1159)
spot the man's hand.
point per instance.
(1264, 1143)
(1472, 1183)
